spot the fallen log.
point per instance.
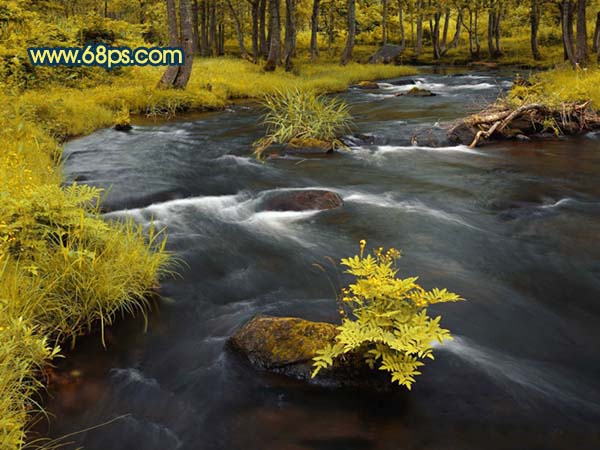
(503, 121)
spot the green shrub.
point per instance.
(301, 116)
(385, 318)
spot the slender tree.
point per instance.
(203, 31)
(566, 12)
(330, 25)
(274, 36)
(254, 7)
(401, 23)
(187, 43)
(534, 18)
(168, 77)
(262, 25)
(238, 30)
(290, 33)
(384, 22)
(581, 53)
(459, 24)
(314, 29)
(419, 43)
(347, 54)
(596, 41)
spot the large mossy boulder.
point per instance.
(303, 200)
(388, 54)
(287, 345)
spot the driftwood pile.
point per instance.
(501, 121)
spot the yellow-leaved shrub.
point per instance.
(384, 318)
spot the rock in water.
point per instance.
(308, 147)
(287, 345)
(461, 133)
(387, 54)
(367, 85)
(272, 343)
(417, 92)
(122, 127)
(303, 200)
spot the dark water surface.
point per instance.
(514, 228)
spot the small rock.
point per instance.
(123, 127)
(308, 147)
(461, 133)
(417, 92)
(403, 82)
(303, 200)
(367, 85)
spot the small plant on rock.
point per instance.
(122, 119)
(384, 318)
(301, 118)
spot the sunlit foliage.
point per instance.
(384, 318)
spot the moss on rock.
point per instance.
(287, 345)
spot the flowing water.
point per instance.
(513, 227)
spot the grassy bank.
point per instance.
(564, 85)
(64, 271)
(68, 112)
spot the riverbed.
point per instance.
(513, 227)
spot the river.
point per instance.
(513, 227)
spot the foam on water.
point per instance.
(240, 209)
(386, 200)
(515, 374)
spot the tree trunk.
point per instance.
(187, 43)
(274, 35)
(476, 32)
(567, 31)
(203, 28)
(490, 34)
(596, 42)
(238, 31)
(290, 33)
(497, 30)
(535, 26)
(196, 39)
(262, 25)
(347, 54)
(444, 43)
(314, 29)
(221, 38)
(401, 22)
(581, 53)
(330, 25)
(419, 44)
(212, 29)
(170, 73)
(459, 24)
(384, 25)
(254, 12)
(435, 34)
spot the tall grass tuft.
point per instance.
(302, 117)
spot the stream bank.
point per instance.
(511, 227)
